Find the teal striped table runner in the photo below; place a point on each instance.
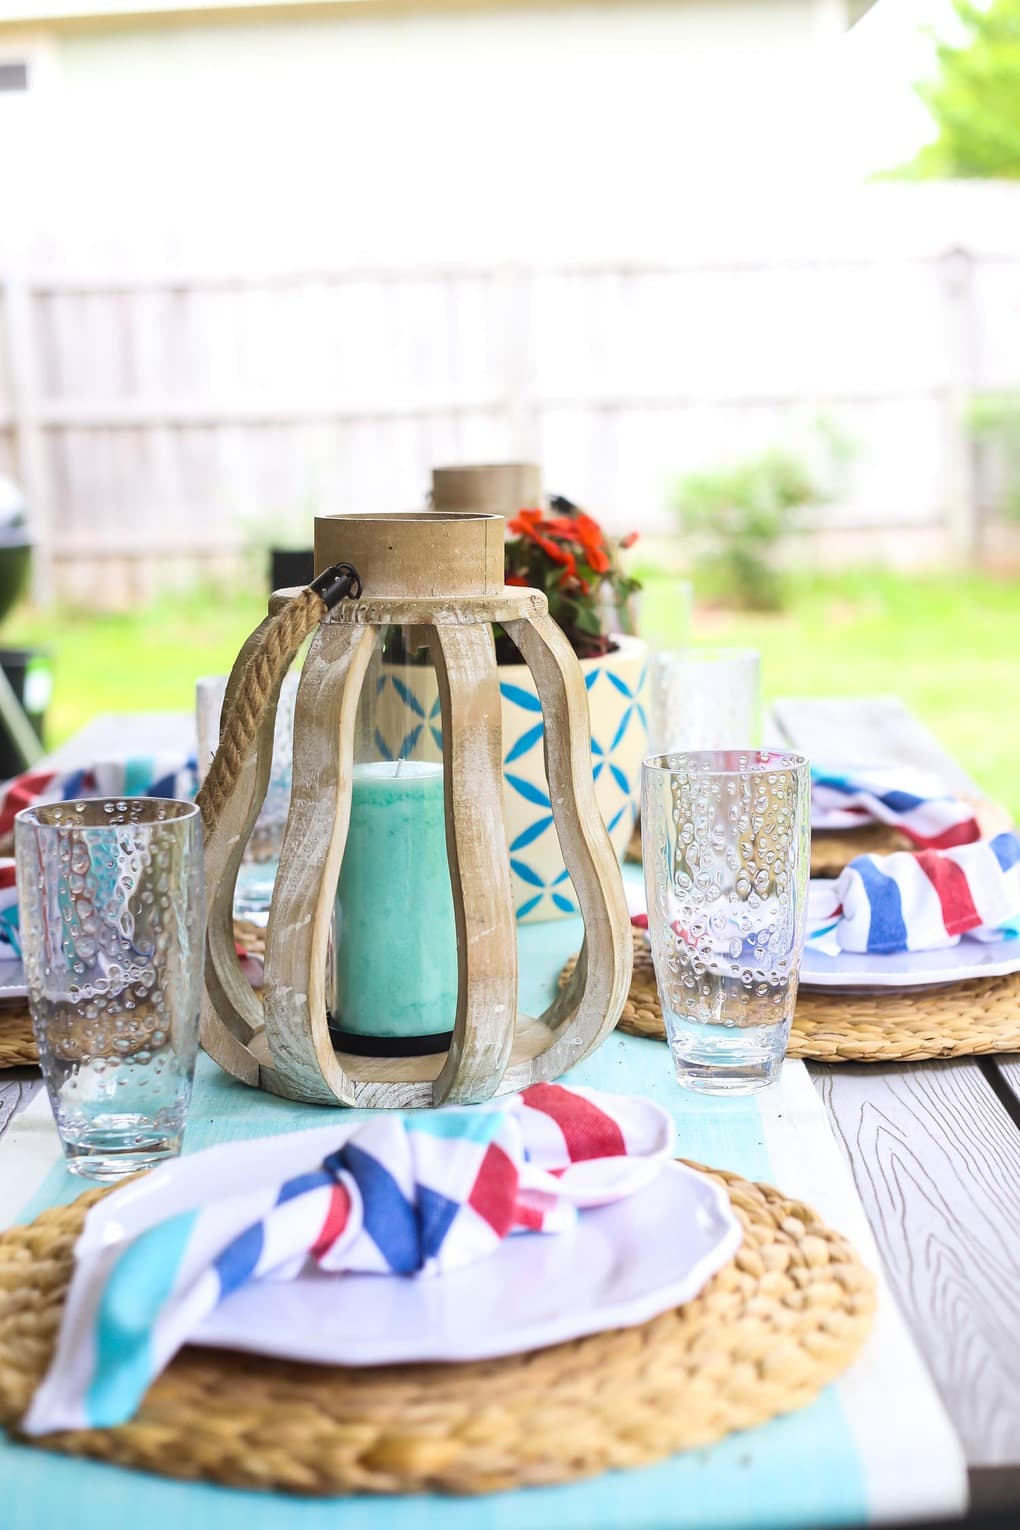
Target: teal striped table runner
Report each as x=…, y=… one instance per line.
x=872, y=1447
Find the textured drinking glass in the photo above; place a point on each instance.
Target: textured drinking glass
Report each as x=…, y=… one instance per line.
x=257, y=873
x=704, y=698
x=112, y=930
x=726, y=837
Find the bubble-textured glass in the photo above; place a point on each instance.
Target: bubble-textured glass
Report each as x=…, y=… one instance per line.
x=726, y=856
x=704, y=698
x=112, y=924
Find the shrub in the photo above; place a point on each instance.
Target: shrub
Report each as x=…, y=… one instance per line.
x=739, y=516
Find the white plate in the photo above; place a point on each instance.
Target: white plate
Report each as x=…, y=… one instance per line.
x=620, y=1266
x=12, y=982
x=910, y=969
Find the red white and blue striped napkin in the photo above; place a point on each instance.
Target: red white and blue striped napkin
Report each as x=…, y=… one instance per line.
x=906, y=799
x=141, y=776
x=881, y=904
x=399, y=1194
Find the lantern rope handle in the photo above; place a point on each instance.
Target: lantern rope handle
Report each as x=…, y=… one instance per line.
x=282, y=637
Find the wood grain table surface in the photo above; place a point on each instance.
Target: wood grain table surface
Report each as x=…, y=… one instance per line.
x=934, y=1148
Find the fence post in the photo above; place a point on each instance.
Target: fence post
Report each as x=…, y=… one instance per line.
x=956, y=269
x=29, y=440
x=519, y=354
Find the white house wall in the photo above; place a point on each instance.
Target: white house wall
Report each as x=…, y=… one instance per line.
x=430, y=132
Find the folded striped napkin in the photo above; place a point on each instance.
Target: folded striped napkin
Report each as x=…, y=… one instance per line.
x=399, y=1194
x=909, y=800
x=920, y=902
x=144, y=776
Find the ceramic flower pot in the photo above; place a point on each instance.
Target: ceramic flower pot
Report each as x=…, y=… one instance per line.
x=409, y=726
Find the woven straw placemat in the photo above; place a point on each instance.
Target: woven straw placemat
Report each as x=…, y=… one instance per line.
x=777, y=1324
x=250, y=938
x=17, y=1039
x=832, y=850
x=913, y=1025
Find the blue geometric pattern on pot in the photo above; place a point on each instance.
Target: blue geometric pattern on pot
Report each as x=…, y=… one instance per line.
x=404, y=720
x=520, y=697
x=407, y=696
x=634, y=704
x=531, y=738
x=531, y=878
x=410, y=724
x=407, y=745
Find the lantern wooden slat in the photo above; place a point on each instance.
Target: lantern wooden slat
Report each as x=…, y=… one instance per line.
x=283, y=1042
x=231, y=1012
x=297, y=937
x=465, y=661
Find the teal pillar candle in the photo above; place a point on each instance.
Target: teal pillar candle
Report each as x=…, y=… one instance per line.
x=396, y=935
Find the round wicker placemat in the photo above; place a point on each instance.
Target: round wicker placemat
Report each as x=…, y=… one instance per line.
x=912, y=1025
x=250, y=938
x=782, y=1320
x=17, y=1039
x=832, y=850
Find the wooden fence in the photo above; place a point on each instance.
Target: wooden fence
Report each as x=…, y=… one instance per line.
x=159, y=422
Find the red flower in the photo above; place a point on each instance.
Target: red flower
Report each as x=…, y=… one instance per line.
x=629, y=539
x=590, y=531
x=554, y=551
x=562, y=526
x=567, y=542
x=525, y=521
x=591, y=538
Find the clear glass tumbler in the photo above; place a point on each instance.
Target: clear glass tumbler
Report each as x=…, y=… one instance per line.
x=704, y=698
x=726, y=858
x=112, y=925
x=262, y=853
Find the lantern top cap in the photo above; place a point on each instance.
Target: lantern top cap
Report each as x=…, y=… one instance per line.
x=502, y=487
x=423, y=517
x=418, y=552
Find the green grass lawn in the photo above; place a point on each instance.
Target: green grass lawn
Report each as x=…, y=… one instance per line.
x=948, y=645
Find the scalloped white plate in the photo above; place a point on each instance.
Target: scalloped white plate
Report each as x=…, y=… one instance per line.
x=620, y=1266
x=911, y=969
x=12, y=982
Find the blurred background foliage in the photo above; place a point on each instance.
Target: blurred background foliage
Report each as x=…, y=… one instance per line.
x=947, y=644
x=974, y=97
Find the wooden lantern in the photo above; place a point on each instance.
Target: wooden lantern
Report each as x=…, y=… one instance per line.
x=499, y=488
x=438, y=577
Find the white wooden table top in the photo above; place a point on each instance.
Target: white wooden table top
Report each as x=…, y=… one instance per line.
x=934, y=1148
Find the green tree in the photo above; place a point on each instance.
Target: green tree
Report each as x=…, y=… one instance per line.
x=975, y=98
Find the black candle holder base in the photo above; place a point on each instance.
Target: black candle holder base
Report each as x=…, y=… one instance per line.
x=386, y=1046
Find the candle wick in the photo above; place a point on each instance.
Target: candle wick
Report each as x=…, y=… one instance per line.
x=400, y=763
